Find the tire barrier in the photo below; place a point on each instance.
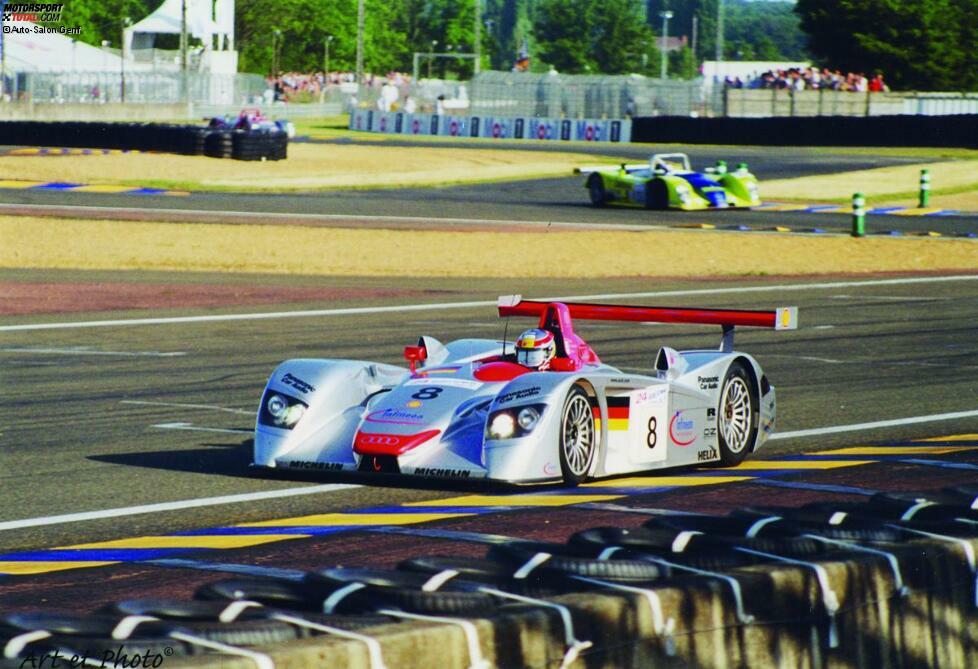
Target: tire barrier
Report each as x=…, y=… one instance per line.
x=929, y=131
x=254, y=144
x=889, y=582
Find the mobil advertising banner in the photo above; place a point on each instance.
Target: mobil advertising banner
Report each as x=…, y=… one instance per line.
x=493, y=127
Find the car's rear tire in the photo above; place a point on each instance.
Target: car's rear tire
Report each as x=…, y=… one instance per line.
x=577, y=441
x=595, y=189
x=656, y=194
x=736, y=416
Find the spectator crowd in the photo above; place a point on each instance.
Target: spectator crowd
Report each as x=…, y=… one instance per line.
x=303, y=87
x=811, y=78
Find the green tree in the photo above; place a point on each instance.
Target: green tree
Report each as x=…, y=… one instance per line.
x=751, y=29
x=917, y=44
x=304, y=24
x=608, y=36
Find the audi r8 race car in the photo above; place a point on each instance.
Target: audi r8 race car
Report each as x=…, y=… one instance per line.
x=668, y=182
x=492, y=409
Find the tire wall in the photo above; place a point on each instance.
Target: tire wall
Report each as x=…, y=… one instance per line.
x=875, y=626
x=929, y=131
x=166, y=138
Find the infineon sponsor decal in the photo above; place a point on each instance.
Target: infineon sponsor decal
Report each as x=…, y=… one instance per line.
x=395, y=416
x=682, y=430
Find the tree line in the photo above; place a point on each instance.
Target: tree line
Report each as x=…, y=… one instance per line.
x=919, y=44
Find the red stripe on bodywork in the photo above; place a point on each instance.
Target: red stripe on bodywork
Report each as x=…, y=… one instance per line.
x=372, y=443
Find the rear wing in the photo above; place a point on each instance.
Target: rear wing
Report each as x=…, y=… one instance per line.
x=604, y=168
x=782, y=318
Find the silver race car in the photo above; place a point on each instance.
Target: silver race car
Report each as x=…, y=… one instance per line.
x=470, y=409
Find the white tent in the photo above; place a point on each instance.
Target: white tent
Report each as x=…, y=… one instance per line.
x=28, y=51
x=201, y=23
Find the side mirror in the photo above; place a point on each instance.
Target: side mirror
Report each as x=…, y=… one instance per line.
x=414, y=355
x=670, y=363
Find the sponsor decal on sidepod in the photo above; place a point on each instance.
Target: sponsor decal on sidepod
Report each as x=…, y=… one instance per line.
x=682, y=431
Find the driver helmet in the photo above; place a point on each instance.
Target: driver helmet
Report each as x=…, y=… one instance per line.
x=535, y=348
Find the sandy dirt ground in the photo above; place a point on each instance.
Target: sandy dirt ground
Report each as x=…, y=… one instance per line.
x=879, y=185
x=308, y=167
x=82, y=244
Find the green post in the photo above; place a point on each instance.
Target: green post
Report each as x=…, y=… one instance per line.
x=924, y=198
x=858, y=215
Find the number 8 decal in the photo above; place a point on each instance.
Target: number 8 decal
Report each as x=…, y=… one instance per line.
x=652, y=439
x=429, y=393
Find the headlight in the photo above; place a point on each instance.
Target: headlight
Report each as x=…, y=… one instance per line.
x=277, y=406
x=683, y=193
x=281, y=411
x=527, y=418
x=502, y=425
x=515, y=422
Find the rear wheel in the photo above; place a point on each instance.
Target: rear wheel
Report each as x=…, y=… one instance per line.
x=595, y=188
x=578, y=441
x=736, y=416
x=656, y=194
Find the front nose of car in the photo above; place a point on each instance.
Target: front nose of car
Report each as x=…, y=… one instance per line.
x=269, y=444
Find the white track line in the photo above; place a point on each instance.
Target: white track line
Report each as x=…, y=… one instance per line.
x=174, y=506
x=190, y=427
x=180, y=405
x=332, y=487
x=87, y=351
x=856, y=427
x=262, y=218
x=479, y=303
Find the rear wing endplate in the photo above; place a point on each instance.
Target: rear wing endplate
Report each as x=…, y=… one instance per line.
x=782, y=318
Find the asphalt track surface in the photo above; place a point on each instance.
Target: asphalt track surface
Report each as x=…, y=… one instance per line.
x=552, y=200
x=108, y=417
x=111, y=417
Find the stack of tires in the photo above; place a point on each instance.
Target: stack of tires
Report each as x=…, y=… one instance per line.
x=259, y=144
x=267, y=141
x=693, y=552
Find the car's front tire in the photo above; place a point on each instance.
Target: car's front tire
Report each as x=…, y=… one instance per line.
x=656, y=194
x=578, y=440
x=736, y=416
x=595, y=189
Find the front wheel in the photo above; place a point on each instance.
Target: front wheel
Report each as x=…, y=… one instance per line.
x=656, y=194
x=595, y=189
x=736, y=416
x=578, y=441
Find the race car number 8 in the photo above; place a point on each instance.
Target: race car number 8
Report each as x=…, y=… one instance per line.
x=427, y=393
x=652, y=439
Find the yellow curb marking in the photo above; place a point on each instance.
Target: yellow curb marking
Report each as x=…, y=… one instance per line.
x=366, y=519
x=663, y=481
x=25, y=568
x=516, y=500
x=898, y=450
x=767, y=465
x=201, y=541
x=13, y=183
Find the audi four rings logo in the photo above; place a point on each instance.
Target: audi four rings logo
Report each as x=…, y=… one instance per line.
x=379, y=440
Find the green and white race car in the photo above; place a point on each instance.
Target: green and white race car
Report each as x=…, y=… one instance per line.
x=667, y=182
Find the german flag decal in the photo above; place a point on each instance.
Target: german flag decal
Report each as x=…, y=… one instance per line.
x=617, y=414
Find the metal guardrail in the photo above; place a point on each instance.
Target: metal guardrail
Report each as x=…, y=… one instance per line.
x=589, y=96
x=135, y=87
x=787, y=102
